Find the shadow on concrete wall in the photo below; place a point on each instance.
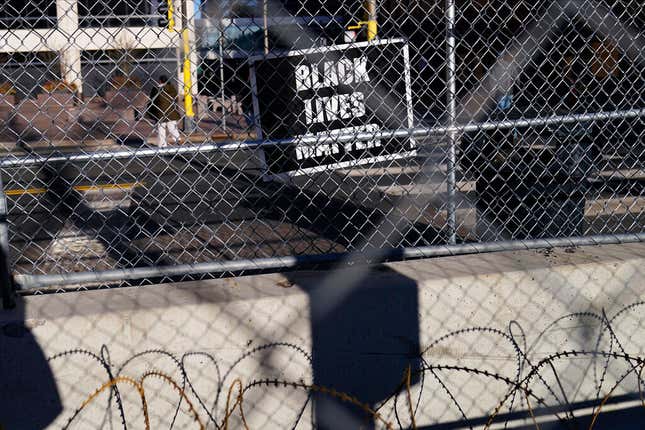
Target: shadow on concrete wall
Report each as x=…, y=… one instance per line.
x=365, y=334
x=29, y=397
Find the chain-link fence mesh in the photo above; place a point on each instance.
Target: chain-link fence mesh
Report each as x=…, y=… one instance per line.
x=156, y=141
x=152, y=140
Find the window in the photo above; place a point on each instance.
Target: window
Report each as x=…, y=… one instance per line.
x=116, y=13
x=20, y=14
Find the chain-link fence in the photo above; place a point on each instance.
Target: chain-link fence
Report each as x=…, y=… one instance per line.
x=153, y=141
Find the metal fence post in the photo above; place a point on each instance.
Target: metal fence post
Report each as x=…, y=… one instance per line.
x=220, y=43
x=265, y=25
x=6, y=280
x=451, y=80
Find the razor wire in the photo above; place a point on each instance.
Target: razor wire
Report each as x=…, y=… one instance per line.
x=171, y=140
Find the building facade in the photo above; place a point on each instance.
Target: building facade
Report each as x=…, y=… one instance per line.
x=74, y=31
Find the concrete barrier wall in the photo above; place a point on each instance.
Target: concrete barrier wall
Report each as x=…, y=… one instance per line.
x=354, y=331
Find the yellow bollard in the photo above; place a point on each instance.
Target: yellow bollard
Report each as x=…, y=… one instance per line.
x=171, y=16
x=372, y=28
x=372, y=25
x=188, y=94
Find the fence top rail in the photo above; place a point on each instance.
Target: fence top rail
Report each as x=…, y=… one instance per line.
x=30, y=284
x=235, y=145
x=331, y=48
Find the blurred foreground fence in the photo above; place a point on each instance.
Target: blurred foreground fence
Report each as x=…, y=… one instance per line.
x=312, y=132
x=153, y=141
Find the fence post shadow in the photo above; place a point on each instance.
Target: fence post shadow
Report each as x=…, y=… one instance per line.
x=364, y=336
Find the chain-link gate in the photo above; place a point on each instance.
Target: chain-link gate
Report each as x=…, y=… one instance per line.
x=149, y=141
